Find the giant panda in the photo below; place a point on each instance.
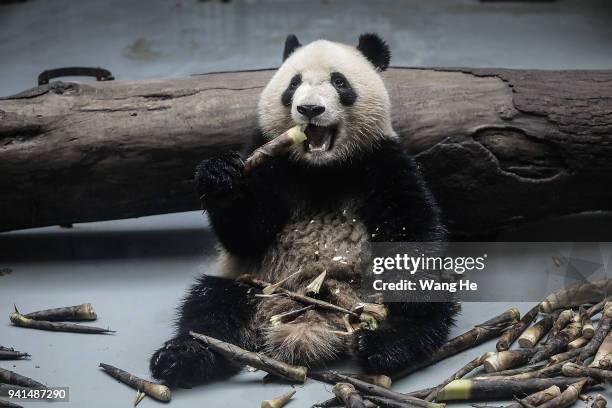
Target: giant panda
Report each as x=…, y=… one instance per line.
x=318, y=207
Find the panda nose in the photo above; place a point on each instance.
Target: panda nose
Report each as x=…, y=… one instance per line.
x=310, y=111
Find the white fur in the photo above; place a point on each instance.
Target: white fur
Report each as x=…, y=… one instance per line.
x=360, y=126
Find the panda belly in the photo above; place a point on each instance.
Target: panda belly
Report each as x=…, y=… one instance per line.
x=335, y=241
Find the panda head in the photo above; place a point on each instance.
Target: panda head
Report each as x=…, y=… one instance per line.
x=334, y=89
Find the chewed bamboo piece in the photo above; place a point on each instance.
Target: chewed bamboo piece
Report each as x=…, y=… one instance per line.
x=576, y=295
x=498, y=388
x=274, y=147
x=158, y=391
x=513, y=333
x=558, y=343
x=479, y=334
x=10, y=377
x=62, y=314
x=253, y=359
x=279, y=401
x=380, y=380
x=533, y=334
x=564, y=318
x=20, y=320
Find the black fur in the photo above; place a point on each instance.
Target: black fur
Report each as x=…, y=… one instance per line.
x=246, y=212
x=218, y=307
x=291, y=44
x=375, y=50
x=287, y=95
x=346, y=93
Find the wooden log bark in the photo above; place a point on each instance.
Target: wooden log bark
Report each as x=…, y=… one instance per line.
x=497, y=146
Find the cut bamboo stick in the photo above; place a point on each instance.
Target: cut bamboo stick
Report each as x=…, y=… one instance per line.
x=558, y=343
x=504, y=360
x=314, y=287
x=12, y=354
x=513, y=333
x=70, y=313
x=567, y=355
x=380, y=380
x=20, y=320
x=386, y=402
x=533, y=334
x=577, y=343
x=496, y=388
x=604, y=352
x=10, y=377
x=257, y=360
x=158, y=391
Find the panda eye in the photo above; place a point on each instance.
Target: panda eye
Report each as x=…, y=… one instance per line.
x=295, y=82
x=339, y=82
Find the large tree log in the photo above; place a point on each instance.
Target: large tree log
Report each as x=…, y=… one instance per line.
x=497, y=146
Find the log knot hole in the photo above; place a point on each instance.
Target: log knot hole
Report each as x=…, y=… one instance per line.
x=520, y=154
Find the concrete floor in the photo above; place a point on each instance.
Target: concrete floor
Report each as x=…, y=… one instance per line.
x=135, y=271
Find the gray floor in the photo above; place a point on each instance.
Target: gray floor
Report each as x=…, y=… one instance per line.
x=135, y=271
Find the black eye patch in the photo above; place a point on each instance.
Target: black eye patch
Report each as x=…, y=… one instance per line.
x=347, y=94
x=287, y=96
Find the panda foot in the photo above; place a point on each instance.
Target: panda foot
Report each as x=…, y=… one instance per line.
x=183, y=362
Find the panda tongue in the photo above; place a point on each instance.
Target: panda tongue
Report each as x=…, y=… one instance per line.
x=318, y=137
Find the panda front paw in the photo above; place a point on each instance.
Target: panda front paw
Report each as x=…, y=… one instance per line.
x=183, y=362
x=220, y=180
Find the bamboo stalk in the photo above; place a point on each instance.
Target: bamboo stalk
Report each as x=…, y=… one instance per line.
x=274, y=147
x=576, y=370
x=257, y=360
x=603, y=328
x=576, y=295
x=567, y=397
x=20, y=320
x=512, y=371
x=498, y=388
x=537, y=398
x=332, y=377
x=70, y=313
x=380, y=380
x=603, y=352
x=279, y=401
x=158, y=391
x=596, y=308
x=329, y=403
x=533, y=334
x=348, y=394
x=588, y=331
x=462, y=372
x=513, y=333
x=599, y=402
x=479, y=334
x=551, y=370
x=10, y=377
x=564, y=318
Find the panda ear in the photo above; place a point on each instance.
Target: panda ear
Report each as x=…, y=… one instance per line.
x=291, y=44
x=375, y=49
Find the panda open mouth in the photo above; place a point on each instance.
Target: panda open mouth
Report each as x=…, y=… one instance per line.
x=319, y=138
